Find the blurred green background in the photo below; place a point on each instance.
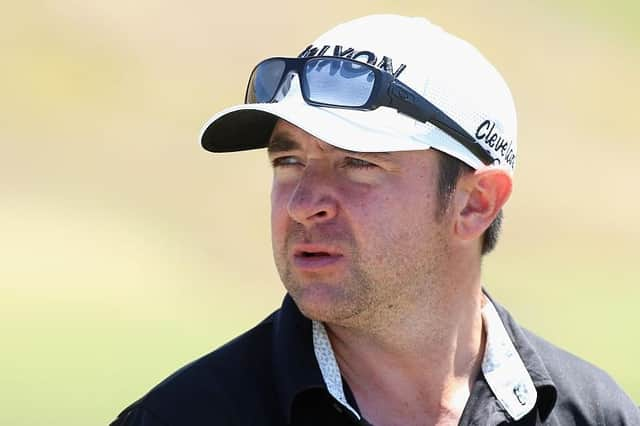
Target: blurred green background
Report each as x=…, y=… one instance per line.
x=127, y=251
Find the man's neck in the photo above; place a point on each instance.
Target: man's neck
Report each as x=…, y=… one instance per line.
x=418, y=369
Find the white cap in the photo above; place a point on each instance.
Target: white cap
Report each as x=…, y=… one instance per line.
x=448, y=71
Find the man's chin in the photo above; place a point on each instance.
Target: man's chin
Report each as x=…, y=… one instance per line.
x=322, y=302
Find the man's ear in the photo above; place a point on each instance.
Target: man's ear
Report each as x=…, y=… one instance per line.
x=479, y=198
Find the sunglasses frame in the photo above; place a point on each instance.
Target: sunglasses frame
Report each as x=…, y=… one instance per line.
x=387, y=91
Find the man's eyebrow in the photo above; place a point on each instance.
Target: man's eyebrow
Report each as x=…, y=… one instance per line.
x=282, y=144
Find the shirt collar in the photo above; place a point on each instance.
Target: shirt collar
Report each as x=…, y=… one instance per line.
x=299, y=361
x=503, y=368
x=546, y=388
x=329, y=366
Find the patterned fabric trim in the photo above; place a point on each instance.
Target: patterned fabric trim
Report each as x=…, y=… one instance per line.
x=503, y=368
x=329, y=366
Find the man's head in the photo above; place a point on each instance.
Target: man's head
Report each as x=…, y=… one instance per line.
x=355, y=234
x=438, y=120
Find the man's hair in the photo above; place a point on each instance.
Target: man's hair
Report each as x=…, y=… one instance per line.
x=450, y=170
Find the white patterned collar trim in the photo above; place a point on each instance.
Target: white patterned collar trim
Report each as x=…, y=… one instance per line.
x=502, y=367
x=329, y=366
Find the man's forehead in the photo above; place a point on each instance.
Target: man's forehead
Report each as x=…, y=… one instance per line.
x=288, y=137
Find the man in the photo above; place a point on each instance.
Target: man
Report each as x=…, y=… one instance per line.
x=393, y=146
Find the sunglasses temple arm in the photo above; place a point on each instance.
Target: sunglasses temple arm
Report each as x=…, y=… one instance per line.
x=408, y=102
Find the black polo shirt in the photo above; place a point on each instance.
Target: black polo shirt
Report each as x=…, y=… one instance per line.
x=270, y=376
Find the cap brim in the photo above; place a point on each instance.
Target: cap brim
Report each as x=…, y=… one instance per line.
x=238, y=129
x=249, y=126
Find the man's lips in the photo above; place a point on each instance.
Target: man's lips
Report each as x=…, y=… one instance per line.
x=311, y=250
x=316, y=257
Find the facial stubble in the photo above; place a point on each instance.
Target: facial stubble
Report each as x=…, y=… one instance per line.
x=374, y=287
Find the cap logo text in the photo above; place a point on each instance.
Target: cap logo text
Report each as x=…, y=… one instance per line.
x=487, y=132
x=385, y=64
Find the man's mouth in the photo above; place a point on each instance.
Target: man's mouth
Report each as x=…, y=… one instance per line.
x=308, y=257
x=314, y=254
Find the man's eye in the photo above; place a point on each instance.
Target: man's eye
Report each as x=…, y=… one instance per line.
x=285, y=161
x=358, y=163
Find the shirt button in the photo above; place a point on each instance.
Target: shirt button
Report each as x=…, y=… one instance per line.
x=520, y=391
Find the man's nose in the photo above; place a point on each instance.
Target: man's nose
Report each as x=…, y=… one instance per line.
x=314, y=199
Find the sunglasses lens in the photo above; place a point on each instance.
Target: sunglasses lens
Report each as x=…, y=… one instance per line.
x=264, y=81
x=338, y=82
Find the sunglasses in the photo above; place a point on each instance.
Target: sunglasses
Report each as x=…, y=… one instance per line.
x=339, y=82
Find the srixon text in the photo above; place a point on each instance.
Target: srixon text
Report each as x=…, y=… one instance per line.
x=367, y=56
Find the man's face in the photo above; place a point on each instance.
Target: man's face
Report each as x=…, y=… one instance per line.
x=353, y=234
